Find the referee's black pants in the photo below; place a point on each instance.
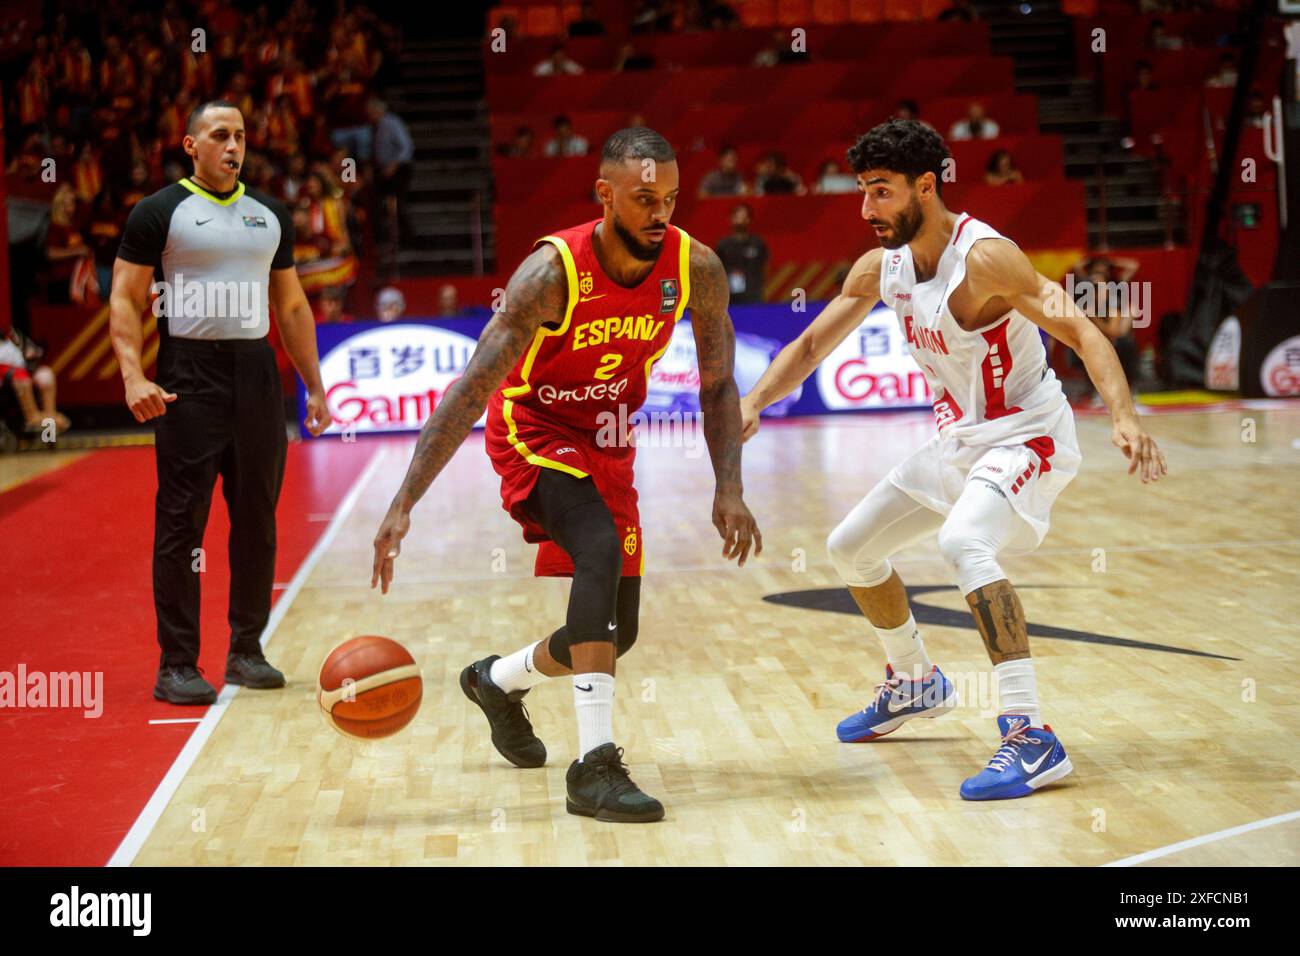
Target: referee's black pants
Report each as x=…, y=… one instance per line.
x=227, y=420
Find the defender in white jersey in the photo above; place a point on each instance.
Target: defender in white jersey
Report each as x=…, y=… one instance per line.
x=999, y=408
x=970, y=304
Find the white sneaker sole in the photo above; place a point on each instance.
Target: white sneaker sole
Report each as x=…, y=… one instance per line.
x=950, y=703
x=1051, y=776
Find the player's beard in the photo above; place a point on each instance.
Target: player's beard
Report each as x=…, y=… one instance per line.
x=635, y=248
x=904, y=229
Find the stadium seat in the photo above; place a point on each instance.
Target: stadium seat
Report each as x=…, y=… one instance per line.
x=902, y=11
x=794, y=13
x=867, y=11
x=758, y=13
x=542, y=21
x=830, y=12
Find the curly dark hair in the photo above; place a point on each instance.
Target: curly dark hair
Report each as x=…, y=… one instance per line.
x=902, y=146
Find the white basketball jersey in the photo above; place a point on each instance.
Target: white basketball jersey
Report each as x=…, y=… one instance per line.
x=991, y=386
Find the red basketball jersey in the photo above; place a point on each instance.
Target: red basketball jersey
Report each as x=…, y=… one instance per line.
x=600, y=355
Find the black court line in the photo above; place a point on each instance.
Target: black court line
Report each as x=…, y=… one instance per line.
x=838, y=600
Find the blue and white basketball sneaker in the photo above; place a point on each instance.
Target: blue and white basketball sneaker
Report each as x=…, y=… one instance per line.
x=897, y=700
x=1029, y=758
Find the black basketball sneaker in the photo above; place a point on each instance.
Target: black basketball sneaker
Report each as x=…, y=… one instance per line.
x=512, y=732
x=599, y=786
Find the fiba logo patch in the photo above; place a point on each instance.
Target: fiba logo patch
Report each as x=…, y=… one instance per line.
x=669, y=294
x=586, y=283
x=629, y=541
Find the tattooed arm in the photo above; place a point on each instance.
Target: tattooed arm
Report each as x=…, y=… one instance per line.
x=536, y=293
x=715, y=347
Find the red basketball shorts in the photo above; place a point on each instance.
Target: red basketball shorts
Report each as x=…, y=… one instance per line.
x=519, y=449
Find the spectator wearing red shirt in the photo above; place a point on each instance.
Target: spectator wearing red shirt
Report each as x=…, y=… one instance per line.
x=33, y=96
x=1002, y=169
x=282, y=129
x=65, y=248
x=76, y=70
x=329, y=306
x=117, y=74
x=291, y=182
x=239, y=93
x=520, y=146
x=348, y=98
x=296, y=83
x=139, y=187
x=327, y=219
x=88, y=174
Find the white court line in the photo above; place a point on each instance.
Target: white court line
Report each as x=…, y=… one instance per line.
x=179, y=720
x=153, y=810
x=1202, y=840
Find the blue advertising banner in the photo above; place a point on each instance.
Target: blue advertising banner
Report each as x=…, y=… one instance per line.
x=387, y=377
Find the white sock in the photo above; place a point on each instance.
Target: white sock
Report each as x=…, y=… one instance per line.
x=593, y=698
x=905, y=650
x=516, y=671
x=1018, y=689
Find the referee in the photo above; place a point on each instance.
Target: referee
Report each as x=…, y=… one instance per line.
x=218, y=254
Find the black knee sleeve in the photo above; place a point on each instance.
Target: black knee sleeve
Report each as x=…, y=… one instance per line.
x=576, y=517
x=629, y=613
x=597, y=557
x=629, y=605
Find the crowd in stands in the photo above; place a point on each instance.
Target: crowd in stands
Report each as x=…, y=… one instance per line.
x=100, y=107
x=524, y=18
x=770, y=174
x=676, y=16
x=746, y=166
x=648, y=16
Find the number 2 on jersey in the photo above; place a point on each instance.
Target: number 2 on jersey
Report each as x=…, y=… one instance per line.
x=608, y=363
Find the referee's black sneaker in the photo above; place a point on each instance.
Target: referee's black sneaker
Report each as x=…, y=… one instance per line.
x=252, y=670
x=183, y=684
x=512, y=732
x=599, y=786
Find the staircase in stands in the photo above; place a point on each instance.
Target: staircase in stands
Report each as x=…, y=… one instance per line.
x=1040, y=40
x=441, y=96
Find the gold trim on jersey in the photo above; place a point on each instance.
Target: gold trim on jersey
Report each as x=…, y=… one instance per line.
x=683, y=277
x=571, y=274
x=200, y=191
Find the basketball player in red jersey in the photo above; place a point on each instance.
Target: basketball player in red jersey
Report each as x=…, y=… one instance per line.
x=586, y=316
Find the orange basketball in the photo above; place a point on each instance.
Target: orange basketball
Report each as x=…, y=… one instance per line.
x=369, y=687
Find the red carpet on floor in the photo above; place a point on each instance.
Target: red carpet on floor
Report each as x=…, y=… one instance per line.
x=76, y=594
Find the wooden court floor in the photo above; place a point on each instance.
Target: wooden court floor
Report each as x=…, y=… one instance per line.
x=1169, y=668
